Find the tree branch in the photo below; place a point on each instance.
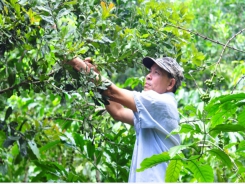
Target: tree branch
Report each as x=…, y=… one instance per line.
x=238, y=83
x=20, y=84
x=226, y=45
x=24, y=82
x=204, y=37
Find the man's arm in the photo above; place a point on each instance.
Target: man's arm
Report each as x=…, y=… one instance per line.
x=118, y=97
x=119, y=113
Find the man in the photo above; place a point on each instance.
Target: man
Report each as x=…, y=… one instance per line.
x=153, y=113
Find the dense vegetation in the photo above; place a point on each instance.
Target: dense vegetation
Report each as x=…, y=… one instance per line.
x=53, y=124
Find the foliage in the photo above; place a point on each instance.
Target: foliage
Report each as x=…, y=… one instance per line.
x=53, y=125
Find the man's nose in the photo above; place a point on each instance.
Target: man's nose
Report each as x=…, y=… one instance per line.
x=148, y=76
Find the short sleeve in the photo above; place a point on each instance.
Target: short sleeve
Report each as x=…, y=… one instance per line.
x=157, y=111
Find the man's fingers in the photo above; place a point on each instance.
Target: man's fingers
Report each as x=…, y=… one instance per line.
x=88, y=59
x=91, y=66
x=74, y=61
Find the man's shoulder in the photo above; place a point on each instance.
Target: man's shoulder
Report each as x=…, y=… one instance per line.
x=154, y=94
x=154, y=97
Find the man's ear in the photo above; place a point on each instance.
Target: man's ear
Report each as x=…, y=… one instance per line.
x=171, y=85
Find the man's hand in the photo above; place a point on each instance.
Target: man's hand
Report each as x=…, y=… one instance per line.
x=89, y=63
x=86, y=64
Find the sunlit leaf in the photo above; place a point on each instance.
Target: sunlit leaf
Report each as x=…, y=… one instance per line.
x=221, y=156
x=106, y=9
x=229, y=128
x=48, y=146
x=203, y=173
x=48, y=19
x=241, y=117
x=241, y=146
x=153, y=160
x=63, y=12
x=223, y=107
x=176, y=149
x=173, y=171
x=79, y=141
x=34, y=148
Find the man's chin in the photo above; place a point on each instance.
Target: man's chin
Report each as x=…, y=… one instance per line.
x=146, y=89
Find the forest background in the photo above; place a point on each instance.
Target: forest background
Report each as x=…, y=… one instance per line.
x=53, y=124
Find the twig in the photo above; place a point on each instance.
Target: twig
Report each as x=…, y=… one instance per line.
x=97, y=175
x=20, y=84
x=238, y=83
x=204, y=37
x=26, y=171
x=222, y=53
x=22, y=56
x=24, y=82
x=195, y=82
x=69, y=119
x=195, y=120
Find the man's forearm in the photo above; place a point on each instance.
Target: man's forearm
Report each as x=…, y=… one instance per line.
x=119, y=113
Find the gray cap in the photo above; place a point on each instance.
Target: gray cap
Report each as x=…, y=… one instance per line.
x=168, y=64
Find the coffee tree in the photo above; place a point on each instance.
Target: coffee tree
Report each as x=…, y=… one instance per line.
x=53, y=125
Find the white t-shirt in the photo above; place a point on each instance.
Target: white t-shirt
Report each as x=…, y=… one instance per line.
x=157, y=115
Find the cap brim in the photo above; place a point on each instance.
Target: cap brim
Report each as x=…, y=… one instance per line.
x=148, y=62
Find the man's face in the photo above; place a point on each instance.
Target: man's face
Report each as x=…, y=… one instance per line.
x=157, y=80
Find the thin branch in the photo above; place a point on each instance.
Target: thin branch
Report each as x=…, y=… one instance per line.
x=22, y=56
x=226, y=45
x=207, y=141
x=24, y=82
x=195, y=82
x=204, y=37
x=26, y=171
x=238, y=83
x=195, y=120
x=20, y=84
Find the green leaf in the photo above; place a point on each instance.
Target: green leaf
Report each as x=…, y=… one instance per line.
x=34, y=148
x=203, y=173
x=225, y=98
x=241, y=146
x=223, y=107
x=90, y=149
x=153, y=160
x=79, y=141
x=48, y=19
x=11, y=79
x=8, y=113
x=186, y=128
x=175, y=150
x=83, y=50
x=221, y=156
x=232, y=97
x=229, y=128
x=230, y=145
x=49, y=146
x=191, y=108
x=197, y=126
x=62, y=13
x=52, y=168
x=46, y=9
x=173, y=171
x=241, y=170
x=241, y=117
x=70, y=2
